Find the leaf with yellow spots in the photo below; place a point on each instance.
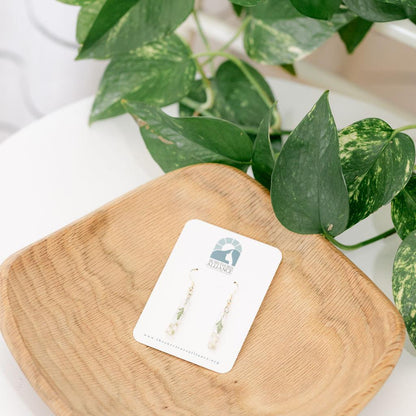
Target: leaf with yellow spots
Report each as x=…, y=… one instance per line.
x=160, y=73
x=403, y=209
x=382, y=10
x=376, y=165
x=108, y=28
x=404, y=283
x=308, y=191
x=178, y=142
x=279, y=34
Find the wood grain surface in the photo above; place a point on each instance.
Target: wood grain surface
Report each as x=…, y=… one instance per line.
x=324, y=341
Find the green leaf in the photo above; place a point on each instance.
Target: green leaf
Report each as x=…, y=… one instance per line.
x=404, y=283
x=408, y=6
x=354, y=32
x=376, y=10
x=116, y=27
x=376, y=167
x=160, y=73
x=248, y=3
x=263, y=154
x=86, y=18
x=238, y=10
x=290, y=68
x=220, y=326
x=308, y=191
x=110, y=13
x=318, y=9
x=403, y=209
x=179, y=313
x=177, y=142
x=236, y=99
x=278, y=34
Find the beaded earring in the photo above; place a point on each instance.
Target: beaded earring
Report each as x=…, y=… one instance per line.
x=180, y=311
x=219, y=325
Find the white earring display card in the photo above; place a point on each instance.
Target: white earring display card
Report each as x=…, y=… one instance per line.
x=207, y=296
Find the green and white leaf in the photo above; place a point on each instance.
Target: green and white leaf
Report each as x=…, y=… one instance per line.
x=236, y=99
x=376, y=10
x=308, y=191
x=404, y=283
x=220, y=326
x=318, y=9
x=86, y=17
x=178, y=142
x=263, y=154
x=403, y=209
x=376, y=167
x=278, y=34
x=108, y=16
x=160, y=73
x=106, y=31
x=408, y=6
x=354, y=32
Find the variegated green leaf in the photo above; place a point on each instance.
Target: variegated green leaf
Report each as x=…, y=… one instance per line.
x=278, y=34
x=308, y=191
x=108, y=16
x=404, y=283
x=236, y=99
x=115, y=27
x=403, y=209
x=86, y=18
x=159, y=73
x=375, y=165
x=177, y=142
x=263, y=154
x=376, y=10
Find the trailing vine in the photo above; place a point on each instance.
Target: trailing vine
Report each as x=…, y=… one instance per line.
x=322, y=180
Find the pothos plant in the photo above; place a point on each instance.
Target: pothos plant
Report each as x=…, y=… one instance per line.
x=322, y=180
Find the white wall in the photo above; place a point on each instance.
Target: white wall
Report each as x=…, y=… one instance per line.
x=38, y=73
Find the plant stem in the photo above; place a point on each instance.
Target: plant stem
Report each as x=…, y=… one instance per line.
x=202, y=35
x=196, y=106
x=408, y=127
x=243, y=69
x=209, y=102
x=363, y=243
x=250, y=78
x=231, y=41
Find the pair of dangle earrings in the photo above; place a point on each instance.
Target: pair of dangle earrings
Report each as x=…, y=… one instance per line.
x=180, y=311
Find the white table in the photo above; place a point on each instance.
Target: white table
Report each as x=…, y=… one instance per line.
x=59, y=169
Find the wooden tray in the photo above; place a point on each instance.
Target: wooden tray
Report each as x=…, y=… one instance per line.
x=324, y=340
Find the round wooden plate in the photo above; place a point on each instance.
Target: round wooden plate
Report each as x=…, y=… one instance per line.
x=324, y=341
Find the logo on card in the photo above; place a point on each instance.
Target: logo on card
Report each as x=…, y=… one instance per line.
x=225, y=255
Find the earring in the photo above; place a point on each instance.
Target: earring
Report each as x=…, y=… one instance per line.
x=180, y=311
x=215, y=335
